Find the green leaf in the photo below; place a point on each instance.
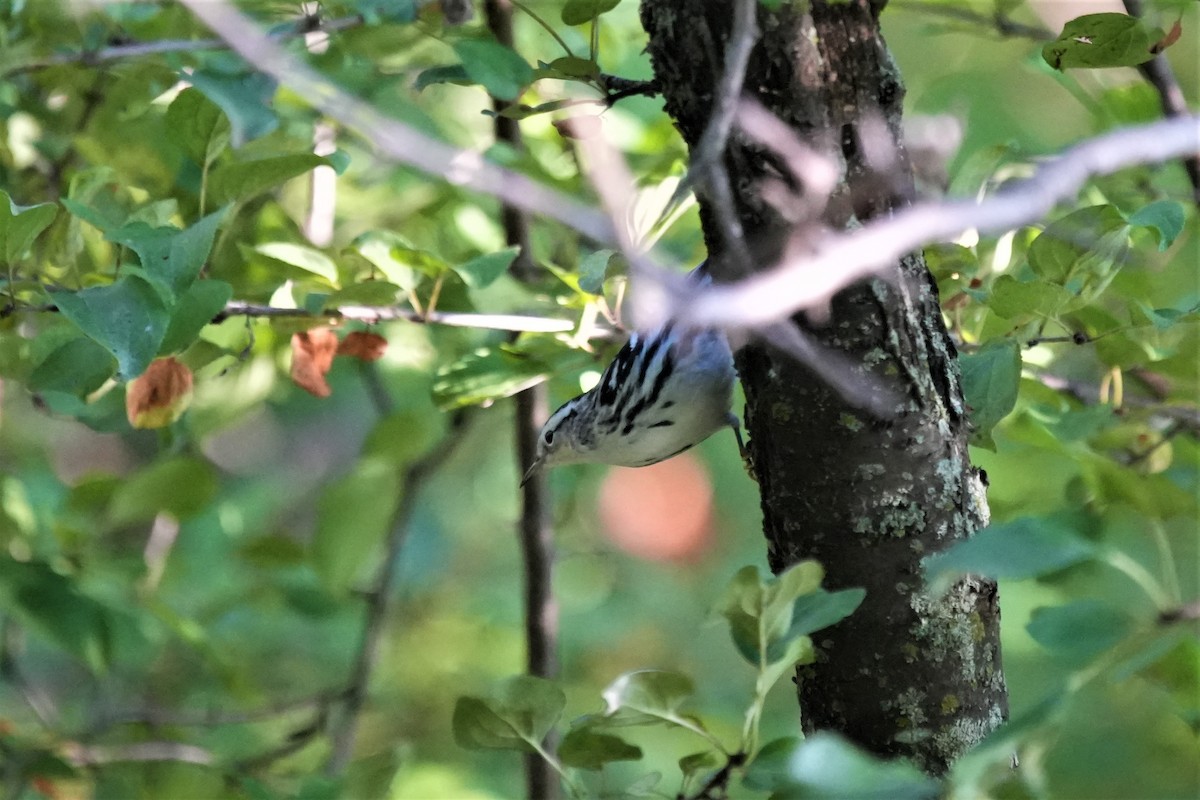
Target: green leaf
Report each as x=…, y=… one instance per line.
x=1166, y=217
x=180, y=486
x=517, y=715
x=20, y=225
x=487, y=374
x=585, y=749
x=245, y=98
x=366, y=293
x=240, y=180
x=763, y=612
x=827, y=767
x=196, y=308
x=198, y=125
x=647, y=696
x=51, y=603
x=577, y=12
x=168, y=255
x=769, y=770
x=1079, y=631
x=128, y=318
x=593, y=269
x=354, y=514
x=990, y=379
x=376, y=11
x=696, y=763
x=1100, y=40
x=573, y=67
x=79, y=367
x=1014, y=299
x=306, y=258
x=450, y=73
x=495, y=67
x=818, y=610
x=1082, y=251
x=1023, y=548
x=481, y=272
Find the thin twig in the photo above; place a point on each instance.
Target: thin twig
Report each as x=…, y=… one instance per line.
x=535, y=536
x=999, y=22
x=374, y=314
x=708, y=161
x=1157, y=71
x=117, y=52
x=344, y=731
x=91, y=755
x=212, y=717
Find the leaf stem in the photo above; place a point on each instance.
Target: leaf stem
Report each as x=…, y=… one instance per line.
x=1139, y=575
x=545, y=26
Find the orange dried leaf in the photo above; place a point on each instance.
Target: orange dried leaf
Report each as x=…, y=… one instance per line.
x=160, y=395
x=363, y=345
x=1171, y=38
x=312, y=356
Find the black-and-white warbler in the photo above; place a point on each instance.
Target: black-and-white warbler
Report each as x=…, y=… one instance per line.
x=667, y=389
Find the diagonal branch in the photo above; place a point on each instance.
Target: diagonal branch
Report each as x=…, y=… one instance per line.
x=1157, y=71
x=811, y=280
x=401, y=143
x=344, y=731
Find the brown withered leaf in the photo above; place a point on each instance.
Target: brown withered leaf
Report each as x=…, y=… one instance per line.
x=363, y=345
x=1171, y=37
x=160, y=395
x=312, y=356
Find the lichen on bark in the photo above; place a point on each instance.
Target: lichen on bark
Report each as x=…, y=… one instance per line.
x=868, y=496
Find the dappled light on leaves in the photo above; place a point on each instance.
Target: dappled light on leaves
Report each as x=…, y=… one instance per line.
x=662, y=512
x=312, y=356
x=160, y=395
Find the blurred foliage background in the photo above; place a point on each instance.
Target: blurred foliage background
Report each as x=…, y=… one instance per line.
x=205, y=584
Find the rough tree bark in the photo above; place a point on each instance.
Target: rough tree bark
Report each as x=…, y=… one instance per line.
x=908, y=674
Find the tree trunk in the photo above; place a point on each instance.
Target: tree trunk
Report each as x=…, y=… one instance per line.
x=868, y=497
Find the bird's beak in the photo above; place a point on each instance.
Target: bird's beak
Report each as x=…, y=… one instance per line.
x=533, y=468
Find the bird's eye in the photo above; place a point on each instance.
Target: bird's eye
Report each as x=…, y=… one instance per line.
x=548, y=437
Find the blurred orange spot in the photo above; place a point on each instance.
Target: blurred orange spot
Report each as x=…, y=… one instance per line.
x=659, y=513
x=312, y=356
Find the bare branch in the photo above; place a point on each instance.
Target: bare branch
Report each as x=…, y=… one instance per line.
x=708, y=163
x=535, y=534
x=374, y=314
x=90, y=755
x=213, y=717
x=398, y=141
x=344, y=731
x=812, y=280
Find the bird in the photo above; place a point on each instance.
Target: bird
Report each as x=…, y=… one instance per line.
x=666, y=390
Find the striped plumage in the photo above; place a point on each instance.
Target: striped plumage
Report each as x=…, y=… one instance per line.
x=666, y=390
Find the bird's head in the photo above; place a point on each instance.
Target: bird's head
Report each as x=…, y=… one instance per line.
x=559, y=442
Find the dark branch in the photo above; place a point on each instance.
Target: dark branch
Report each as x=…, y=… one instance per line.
x=345, y=729
x=1157, y=71
x=535, y=535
